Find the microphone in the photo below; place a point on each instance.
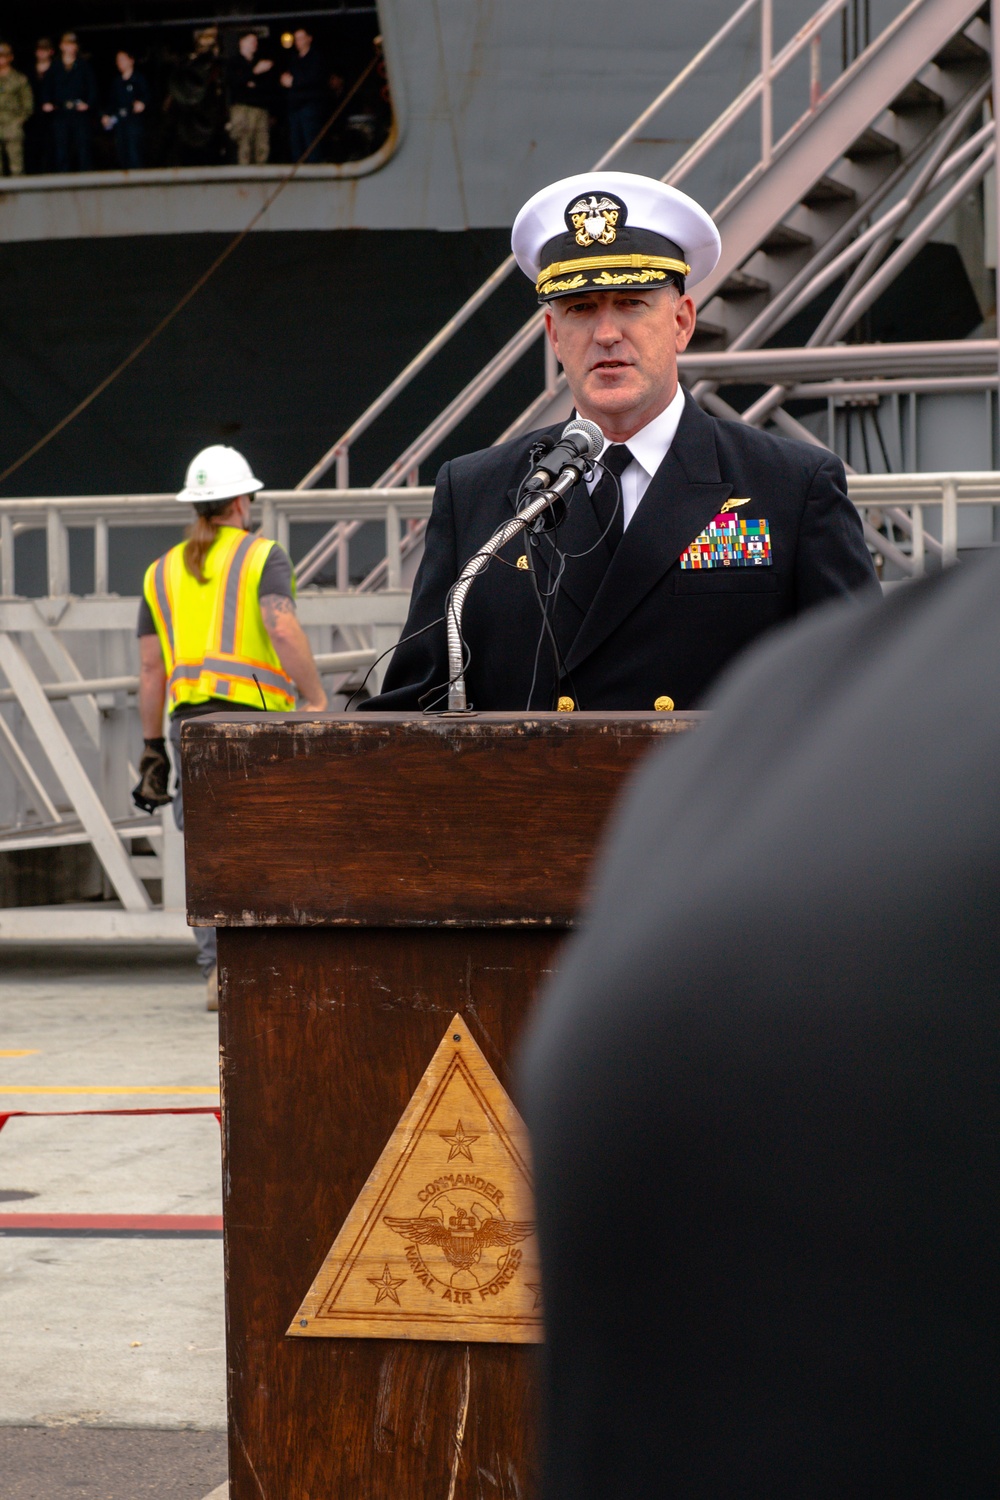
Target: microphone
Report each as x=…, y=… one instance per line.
x=580, y=443
x=539, y=511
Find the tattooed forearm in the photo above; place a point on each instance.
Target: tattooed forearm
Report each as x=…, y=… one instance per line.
x=292, y=645
x=274, y=607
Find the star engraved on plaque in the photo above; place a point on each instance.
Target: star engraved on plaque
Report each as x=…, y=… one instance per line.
x=440, y=1243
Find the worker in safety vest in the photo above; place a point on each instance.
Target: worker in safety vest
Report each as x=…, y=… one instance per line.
x=217, y=632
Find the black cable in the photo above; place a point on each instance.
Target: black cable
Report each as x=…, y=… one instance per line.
x=549, y=595
x=881, y=440
x=532, y=544
x=561, y=671
x=402, y=642
x=864, y=441
x=619, y=501
x=192, y=291
x=554, y=592
x=538, y=643
x=547, y=629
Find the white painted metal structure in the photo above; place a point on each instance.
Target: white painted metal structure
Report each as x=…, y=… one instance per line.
x=72, y=771
x=69, y=773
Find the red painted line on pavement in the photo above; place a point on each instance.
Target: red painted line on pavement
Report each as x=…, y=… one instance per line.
x=55, y=1114
x=180, y=1223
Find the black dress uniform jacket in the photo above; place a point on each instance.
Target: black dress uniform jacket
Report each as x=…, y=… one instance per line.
x=763, y=1090
x=632, y=626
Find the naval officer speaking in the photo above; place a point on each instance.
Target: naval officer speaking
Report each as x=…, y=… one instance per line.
x=687, y=539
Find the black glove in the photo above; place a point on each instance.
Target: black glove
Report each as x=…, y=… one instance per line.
x=152, y=789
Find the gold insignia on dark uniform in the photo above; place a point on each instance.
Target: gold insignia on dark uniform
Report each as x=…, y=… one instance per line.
x=732, y=505
x=664, y=705
x=522, y=563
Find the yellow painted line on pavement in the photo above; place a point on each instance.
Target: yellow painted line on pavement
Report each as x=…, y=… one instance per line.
x=12, y=1052
x=108, y=1088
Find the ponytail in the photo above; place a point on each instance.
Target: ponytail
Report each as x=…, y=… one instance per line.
x=197, y=545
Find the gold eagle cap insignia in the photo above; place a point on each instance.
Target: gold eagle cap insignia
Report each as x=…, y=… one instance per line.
x=595, y=220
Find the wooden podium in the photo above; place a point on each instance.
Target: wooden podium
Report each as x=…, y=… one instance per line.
x=376, y=877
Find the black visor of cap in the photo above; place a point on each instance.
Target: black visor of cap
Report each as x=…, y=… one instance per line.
x=568, y=263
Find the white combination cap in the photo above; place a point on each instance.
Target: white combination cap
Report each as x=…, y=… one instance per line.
x=218, y=473
x=600, y=231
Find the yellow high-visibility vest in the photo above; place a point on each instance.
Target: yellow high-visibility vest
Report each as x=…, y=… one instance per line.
x=212, y=634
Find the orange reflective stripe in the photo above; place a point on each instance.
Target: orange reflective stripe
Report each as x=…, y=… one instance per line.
x=244, y=670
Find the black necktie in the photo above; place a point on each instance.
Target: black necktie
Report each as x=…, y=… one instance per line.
x=607, y=498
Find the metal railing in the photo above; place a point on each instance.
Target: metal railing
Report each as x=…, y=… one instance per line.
x=912, y=520
x=278, y=511
x=760, y=90
x=339, y=453
x=911, y=502
x=69, y=771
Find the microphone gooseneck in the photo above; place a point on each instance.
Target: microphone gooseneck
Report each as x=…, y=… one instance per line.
x=557, y=473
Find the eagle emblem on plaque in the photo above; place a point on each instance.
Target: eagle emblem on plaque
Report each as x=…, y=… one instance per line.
x=441, y=1241
x=594, y=220
x=460, y=1238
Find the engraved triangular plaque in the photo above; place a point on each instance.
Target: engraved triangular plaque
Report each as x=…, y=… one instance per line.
x=440, y=1243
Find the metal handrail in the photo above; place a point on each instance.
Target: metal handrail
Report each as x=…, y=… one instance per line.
x=328, y=663
x=138, y=509
x=407, y=464
x=278, y=510
x=771, y=69
x=972, y=358
x=847, y=246
x=865, y=490
x=340, y=450
x=926, y=358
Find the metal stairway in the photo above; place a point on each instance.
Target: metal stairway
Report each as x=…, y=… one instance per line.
x=891, y=129
x=867, y=132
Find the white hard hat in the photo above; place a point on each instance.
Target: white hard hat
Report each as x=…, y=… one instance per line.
x=218, y=473
x=600, y=230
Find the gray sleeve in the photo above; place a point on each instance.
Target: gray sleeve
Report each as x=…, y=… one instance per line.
x=146, y=625
x=276, y=577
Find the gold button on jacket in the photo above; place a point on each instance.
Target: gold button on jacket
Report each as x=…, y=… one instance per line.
x=565, y=705
x=664, y=705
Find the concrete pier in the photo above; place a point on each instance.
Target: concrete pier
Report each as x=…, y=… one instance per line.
x=113, y=1368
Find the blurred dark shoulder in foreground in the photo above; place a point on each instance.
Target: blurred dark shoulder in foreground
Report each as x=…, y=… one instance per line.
x=762, y=1090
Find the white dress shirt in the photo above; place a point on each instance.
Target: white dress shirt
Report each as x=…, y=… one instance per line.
x=649, y=447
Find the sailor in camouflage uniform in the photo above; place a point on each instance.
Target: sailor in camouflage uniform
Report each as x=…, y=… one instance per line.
x=16, y=107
